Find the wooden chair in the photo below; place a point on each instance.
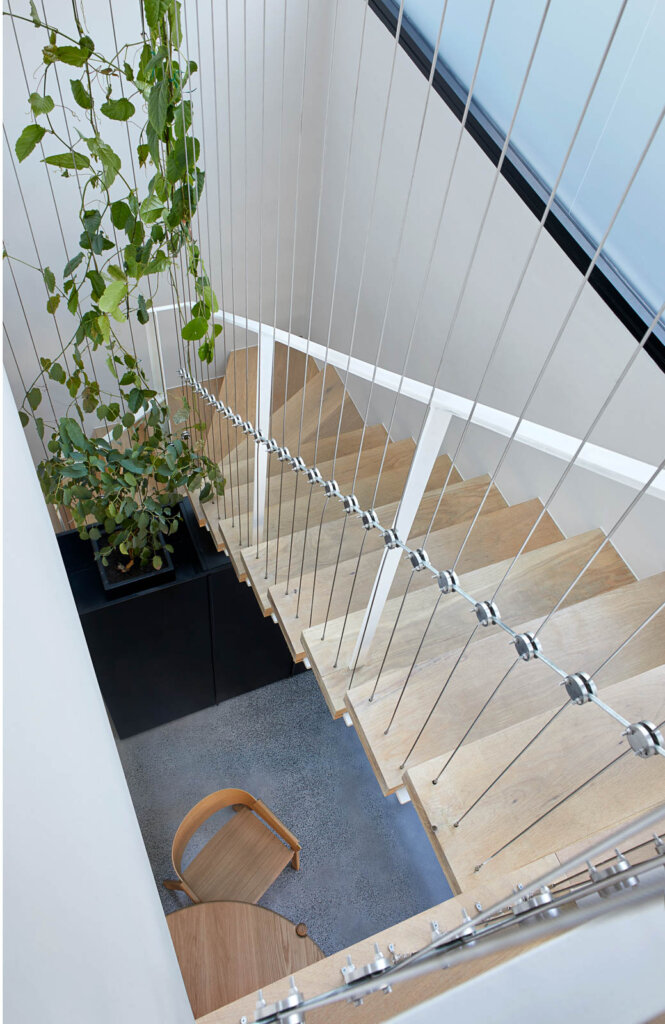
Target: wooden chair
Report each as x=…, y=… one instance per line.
x=242, y=859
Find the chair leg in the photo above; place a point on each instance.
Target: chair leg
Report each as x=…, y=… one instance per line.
x=295, y=860
x=173, y=884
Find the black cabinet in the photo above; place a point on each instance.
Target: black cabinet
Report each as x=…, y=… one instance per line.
x=179, y=647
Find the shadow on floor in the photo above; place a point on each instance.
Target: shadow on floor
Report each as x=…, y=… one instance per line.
x=366, y=862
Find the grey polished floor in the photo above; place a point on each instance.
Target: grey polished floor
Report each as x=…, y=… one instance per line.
x=366, y=861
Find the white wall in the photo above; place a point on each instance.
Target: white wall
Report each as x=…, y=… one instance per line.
x=84, y=932
x=593, y=349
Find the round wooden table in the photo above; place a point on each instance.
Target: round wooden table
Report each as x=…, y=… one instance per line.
x=227, y=950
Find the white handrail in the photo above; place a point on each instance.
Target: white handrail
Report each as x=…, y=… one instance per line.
x=605, y=462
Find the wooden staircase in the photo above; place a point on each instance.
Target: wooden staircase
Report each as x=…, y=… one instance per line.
x=427, y=674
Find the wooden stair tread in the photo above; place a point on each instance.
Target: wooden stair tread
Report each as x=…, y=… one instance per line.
x=461, y=501
x=240, y=861
x=398, y=454
x=294, y=514
x=497, y=534
x=578, y=638
x=348, y=585
x=349, y=442
x=581, y=741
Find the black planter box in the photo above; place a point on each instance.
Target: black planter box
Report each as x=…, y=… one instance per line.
x=178, y=646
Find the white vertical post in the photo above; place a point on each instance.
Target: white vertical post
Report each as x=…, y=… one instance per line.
x=427, y=451
x=266, y=359
x=155, y=354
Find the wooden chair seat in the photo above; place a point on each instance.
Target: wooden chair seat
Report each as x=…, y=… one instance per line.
x=239, y=863
x=242, y=859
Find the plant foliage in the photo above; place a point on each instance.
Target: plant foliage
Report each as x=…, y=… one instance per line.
x=129, y=480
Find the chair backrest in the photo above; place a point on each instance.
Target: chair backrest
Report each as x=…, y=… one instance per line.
x=201, y=811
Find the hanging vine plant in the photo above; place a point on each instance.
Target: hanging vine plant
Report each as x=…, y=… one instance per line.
x=122, y=488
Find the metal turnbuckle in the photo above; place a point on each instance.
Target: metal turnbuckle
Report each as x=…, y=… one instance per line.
x=350, y=503
x=219, y=405
x=331, y=490
x=236, y=420
x=580, y=687
x=259, y=437
x=288, y=1008
x=486, y=612
x=418, y=559
x=271, y=445
x=283, y=454
x=447, y=580
x=527, y=646
x=373, y=969
x=618, y=870
x=390, y=539
x=369, y=519
x=542, y=898
x=247, y=427
x=644, y=738
x=314, y=476
x=298, y=464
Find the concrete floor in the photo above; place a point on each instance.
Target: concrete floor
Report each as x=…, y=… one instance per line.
x=366, y=862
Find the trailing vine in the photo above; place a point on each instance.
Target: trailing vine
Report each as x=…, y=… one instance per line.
x=130, y=479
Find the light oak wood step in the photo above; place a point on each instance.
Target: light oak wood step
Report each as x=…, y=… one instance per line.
x=349, y=442
x=283, y=484
x=336, y=589
x=289, y=516
x=497, y=535
x=581, y=741
x=461, y=501
x=577, y=639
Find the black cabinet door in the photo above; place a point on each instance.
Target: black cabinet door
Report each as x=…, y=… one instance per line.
x=153, y=655
x=248, y=649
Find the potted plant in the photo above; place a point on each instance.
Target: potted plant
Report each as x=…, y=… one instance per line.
x=122, y=483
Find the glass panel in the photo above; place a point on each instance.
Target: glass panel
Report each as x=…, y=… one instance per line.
x=626, y=104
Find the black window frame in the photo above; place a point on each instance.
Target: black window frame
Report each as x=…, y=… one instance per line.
x=605, y=278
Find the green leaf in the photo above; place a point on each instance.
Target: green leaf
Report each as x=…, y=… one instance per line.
x=39, y=423
x=24, y=418
x=195, y=329
x=143, y=152
x=118, y=110
x=28, y=139
x=49, y=278
x=73, y=300
x=142, y=315
x=156, y=562
x=158, y=101
x=53, y=303
x=119, y=214
x=183, y=158
x=80, y=94
x=135, y=400
x=33, y=14
x=68, y=161
x=155, y=11
x=110, y=160
x=113, y=295
x=40, y=104
x=73, y=264
x=34, y=397
x=118, y=430
x=132, y=465
x=128, y=420
x=151, y=208
x=104, y=328
x=183, y=118
x=74, y=55
x=57, y=373
x=71, y=430
x=129, y=72
x=97, y=283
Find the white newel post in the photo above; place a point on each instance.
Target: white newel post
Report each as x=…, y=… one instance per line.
x=427, y=451
x=264, y=376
